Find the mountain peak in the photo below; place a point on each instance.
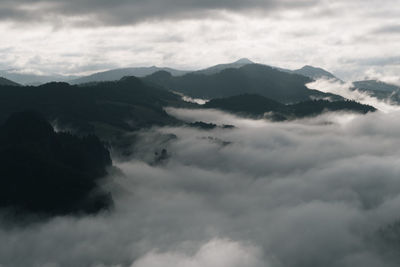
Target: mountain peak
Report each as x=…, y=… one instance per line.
x=244, y=61
x=314, y=72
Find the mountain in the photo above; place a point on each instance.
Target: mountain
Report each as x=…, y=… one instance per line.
x=259, y=106
x=106, y=108
x=33, y=79
x=113, y=75
x=246, y=104
x=217, y=68
x=375, y=85
x=117, y=74
x=380, y=90
x=314, y=73
x=49, y=173
x=4, y=81
x=249, y=79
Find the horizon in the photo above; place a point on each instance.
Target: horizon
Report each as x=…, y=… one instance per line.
x=75, y=38
x=69, y=78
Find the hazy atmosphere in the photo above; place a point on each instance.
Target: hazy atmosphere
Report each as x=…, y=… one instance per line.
x=353, y=39
x=199, y=133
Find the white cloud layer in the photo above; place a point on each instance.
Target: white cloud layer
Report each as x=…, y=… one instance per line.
x=348, y=91
x=304, y=193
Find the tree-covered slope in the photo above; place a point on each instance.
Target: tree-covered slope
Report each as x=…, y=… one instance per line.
x=258, y=106
x=49, y=173
x=127, y=104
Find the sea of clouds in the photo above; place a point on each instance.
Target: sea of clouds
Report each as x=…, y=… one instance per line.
x=312, y=192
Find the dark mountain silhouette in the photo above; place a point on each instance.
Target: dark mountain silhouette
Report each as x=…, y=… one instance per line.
x=258, y=106
x=314, y=73
x=117, y=74
x=4, y=81
x=247, y=103
x=251, y=79
x=49, y=173
x=107, y=107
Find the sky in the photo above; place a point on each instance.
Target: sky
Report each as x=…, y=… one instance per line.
x=355, y=39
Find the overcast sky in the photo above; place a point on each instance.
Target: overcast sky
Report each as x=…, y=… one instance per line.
x=354, y=39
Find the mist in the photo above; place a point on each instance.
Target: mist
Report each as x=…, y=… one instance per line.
x=348, y=91
x=312, y=192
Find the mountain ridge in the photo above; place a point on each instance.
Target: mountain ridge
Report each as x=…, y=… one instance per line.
x=250, y=78
x=259, y=106
x=4, y=81
x=314, y=73
x=117, y=74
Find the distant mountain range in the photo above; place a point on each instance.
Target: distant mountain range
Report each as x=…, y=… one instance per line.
x=222, y=80
x=113, y=75
x=117, y=74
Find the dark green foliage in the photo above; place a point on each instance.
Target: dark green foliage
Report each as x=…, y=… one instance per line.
x=257, y=106
x=249, y=79
x=49, y=173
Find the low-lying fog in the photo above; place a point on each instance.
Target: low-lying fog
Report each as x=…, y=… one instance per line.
x=312, y=192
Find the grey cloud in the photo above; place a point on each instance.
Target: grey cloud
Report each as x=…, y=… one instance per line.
x=388, y=29
x=374, y=61
x=91, y=12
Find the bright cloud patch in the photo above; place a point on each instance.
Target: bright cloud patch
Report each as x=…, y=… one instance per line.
x=216, y=253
